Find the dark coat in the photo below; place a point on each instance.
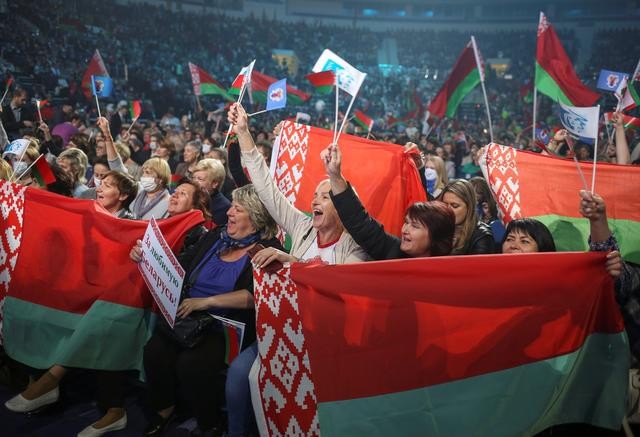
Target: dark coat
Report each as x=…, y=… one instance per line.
x=364, y=229
x=481, y=242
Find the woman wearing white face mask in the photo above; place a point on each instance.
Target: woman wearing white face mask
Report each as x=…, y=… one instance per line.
x=153, y=197
x=436, y=175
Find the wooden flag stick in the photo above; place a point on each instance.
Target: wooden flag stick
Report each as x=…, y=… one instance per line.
x=132, y=123
x=39, y=113
x=256, y=113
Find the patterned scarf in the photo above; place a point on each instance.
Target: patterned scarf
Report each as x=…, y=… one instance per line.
x=226, y=242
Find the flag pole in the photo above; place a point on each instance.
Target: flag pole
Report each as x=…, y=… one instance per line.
x=132, y=123
x=335, y=124
x=39, y=113
x=240, y=96
x=346, y=116
x=97, y=105
x=256, y=113
x=5, y=94
x=533, y=126
x=28, y=168
x=484, y=90
x=595, y=157
x=584, y=181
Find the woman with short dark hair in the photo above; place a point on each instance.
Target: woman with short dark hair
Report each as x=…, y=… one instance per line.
x=527, y=235
x=428, y=226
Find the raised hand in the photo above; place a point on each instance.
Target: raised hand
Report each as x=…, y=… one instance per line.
x=592, y=206
x=103, y=124
x=237, y=117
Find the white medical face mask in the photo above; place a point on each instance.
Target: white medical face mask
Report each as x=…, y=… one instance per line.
x=148, y=183
x=206, y=148
x=96, y=182
x=430, y=174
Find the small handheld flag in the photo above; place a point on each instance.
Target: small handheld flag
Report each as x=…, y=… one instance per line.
x=609, y=80
x=362, y=119
x=580, y=122
x=277, y=95
x=135, y=109
x=101, y=86
x=42, y=172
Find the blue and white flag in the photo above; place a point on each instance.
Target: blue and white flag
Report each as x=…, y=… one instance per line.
x=580, y=122
x=277, y=95
x=101, y=86
x=16, y=147
x=609, y=80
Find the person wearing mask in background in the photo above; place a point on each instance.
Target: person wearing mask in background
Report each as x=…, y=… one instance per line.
x=152, y=199
x=100, y=169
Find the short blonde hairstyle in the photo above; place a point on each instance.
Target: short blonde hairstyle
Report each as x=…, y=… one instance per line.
x=78, y=162
x=214, y=168
x=161, y=167
x=248, y=198
x=123, y=150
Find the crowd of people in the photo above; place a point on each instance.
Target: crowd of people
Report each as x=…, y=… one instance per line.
x=171, y=164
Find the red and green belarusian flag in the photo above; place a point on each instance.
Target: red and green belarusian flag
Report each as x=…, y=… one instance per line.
x=505, y=357
x=86, y=304
x=627, y=121
x=631, y=96
x=243, y=77
x=527, y=184
x=555, y=76
x=464, y=77
x=298, y=173
x=41, y=171
x=323, y=81
x=259, y=84
x=135, y=109
x=204, y=84
x=362, y=119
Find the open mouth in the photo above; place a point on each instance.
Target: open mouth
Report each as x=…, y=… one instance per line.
x=317, y=212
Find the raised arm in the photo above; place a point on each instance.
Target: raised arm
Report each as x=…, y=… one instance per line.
x=623, y=156
x=115, y=161
x=282, y=211
x=364, y=229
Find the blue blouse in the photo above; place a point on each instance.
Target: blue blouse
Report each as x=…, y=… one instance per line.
x=216, y=277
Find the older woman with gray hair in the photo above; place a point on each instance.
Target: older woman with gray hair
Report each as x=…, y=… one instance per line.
x=218, y=280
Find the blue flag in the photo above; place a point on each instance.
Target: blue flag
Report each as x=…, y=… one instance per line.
x=581, y=122
x=102, y=86
x=609, y=80
x=277, y=95
x=542, y=135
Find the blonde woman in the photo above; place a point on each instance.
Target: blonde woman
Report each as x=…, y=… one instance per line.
x=471, y=236
x=436, y=175
x=74, y=162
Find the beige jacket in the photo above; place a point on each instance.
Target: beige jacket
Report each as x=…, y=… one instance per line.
x=294, y=222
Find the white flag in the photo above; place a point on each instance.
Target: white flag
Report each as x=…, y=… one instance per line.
x=349, y=78
x=580, y=122
x=17, y=147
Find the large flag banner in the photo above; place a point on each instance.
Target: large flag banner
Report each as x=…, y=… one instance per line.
x=609, y=80
x=101, y=86
x=96, y=67
x=349, y=78
x=71, y=294
x=437, y=357
x=527, y=184
x=277, y=95
x=464, y=77
x=581, y=122
x=205, y=84
x=555, y=76
x=385, y=178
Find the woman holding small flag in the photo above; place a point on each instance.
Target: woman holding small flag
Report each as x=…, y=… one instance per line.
x=428, y=226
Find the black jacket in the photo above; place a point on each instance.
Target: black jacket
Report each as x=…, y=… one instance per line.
x=191, y=257
x=364, y=229
x=11, y=126
x=481, y=241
